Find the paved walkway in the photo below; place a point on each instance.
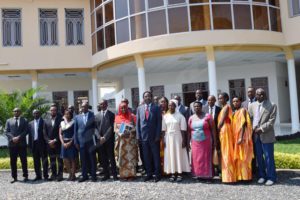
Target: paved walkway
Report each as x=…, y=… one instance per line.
x=288, y=187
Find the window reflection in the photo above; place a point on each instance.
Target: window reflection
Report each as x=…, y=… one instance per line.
x=157, y=23
x=121, y=8
x=98, y=2
x=260, y=17
x=100, y=40
x=198, y=1
x=222, y=16
x=200, y=17
x=138, y=26
x=242, y=16
x=93, y=22
x=275, y=19
x=178, y=20
x=109, y=12
x=99, y=16
x=155, y=3
x=122, y=31
x=94, y=48
x=175, y=1
x=136, y=6
x=110, y=35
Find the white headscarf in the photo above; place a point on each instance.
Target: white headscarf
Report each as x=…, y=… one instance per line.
x=176, y=104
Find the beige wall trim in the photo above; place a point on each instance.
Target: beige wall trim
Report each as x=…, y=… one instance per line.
x=210, y=53
x=115, y=63
x=296, y=47
x=172, y=52
x=139, y=60
x=249, y=48
x=34, y=75
x=94, y=73
x=289, y=54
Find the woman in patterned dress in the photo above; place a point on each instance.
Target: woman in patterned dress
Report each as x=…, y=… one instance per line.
x=126, y=142
x=201, y=134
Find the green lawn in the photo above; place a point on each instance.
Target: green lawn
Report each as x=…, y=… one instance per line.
x=288, y=146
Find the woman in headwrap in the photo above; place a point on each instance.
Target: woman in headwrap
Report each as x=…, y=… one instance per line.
x=126, y=142
x=175, y=153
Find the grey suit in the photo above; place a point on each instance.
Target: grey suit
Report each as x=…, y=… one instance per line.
x=264, y=142
x=245, y=104
x=17, y=149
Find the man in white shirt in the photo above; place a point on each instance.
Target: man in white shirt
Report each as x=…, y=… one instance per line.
x=251, y=97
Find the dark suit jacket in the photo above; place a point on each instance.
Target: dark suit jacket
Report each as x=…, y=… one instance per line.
x=52, y=132
x=84, y=133
x=31, y=130
x=105, y=126
x=216, y=114
x=12, y=131
x=204, y=102
x=148, y=129
x=184, y=110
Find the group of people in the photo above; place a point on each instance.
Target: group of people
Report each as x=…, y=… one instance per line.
x=169, y=138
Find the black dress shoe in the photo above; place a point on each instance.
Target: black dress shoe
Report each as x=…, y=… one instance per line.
x=52, y=177
x=156, y=179
x=82, y=179
x=94, y=179
x=14, y=180
x=46, y=178
x=148, y=178
x=59, y=178
x=105, y=178
x=37, y=178
x=25, y=179
x=115, y=178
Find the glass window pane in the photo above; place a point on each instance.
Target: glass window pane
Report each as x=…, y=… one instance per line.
x=122, y=31
x=92, y=4
x=97, y=2
x=100, y=40
x=175, y=1
x=138, y=27
x=274, y=2
x=157, y=23
x=200, y=17
x=109, y=12
x=296, y=7
x=93, y=22
x=94, y=45
x=136, y=6
x=199, y=1
x=155, y=3
x=178, y=20
x=260, y=17
x=99, y=17
x=275, y=19
x=222, y=16
x=220, y=0
x=110, y=35
x=260, y=1
x=121, y=8
x=242, y=16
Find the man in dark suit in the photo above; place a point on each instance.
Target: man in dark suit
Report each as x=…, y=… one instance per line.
x=84, y=139
x=263, y=114
x=184, y=110
x=149, y=132
x=51, y=135
x=105, y=133
x=199, y=97
x=38, y=146
x=16, y=129
x=250, y=99
x=214, y=110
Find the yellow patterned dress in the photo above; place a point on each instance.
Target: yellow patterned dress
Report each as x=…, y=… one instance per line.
x=226, y=145
x=243, y=153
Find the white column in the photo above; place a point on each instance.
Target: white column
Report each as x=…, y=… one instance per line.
x=212, y=71
x=293, y=95
x=71, y=98
x=141, y=75
x=34, y=79
x=94, y=90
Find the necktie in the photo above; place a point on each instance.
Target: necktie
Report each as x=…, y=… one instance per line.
x=211, y=111
x=256, y=116
x=147, y=112
x=16, y=122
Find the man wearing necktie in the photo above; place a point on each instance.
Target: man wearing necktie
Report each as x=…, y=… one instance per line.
x=149, y=132
x=38, y=146
x=84, y=130
x=263, y=114
x=16, y=129
x=104, y=121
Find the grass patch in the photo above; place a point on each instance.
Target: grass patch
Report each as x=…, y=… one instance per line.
x=288, y=146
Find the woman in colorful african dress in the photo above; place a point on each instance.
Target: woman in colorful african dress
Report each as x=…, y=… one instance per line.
x=201, y=134
x=243, y=146
x=175, y=154
x=163, y=104
x=126, y=142
x=226, y=140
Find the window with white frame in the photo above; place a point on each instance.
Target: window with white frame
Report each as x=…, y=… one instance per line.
x=74, y=26
x=48, y=27
x=294, y=7
x=11, y=27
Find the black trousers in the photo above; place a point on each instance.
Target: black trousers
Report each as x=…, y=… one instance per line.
x=56, y=163
x=40, y=155
x=151, y=151
x=107, y=156
x=88, y=160
x=14, y=152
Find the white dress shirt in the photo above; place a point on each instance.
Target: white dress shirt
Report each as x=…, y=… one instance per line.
x=36, y=129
